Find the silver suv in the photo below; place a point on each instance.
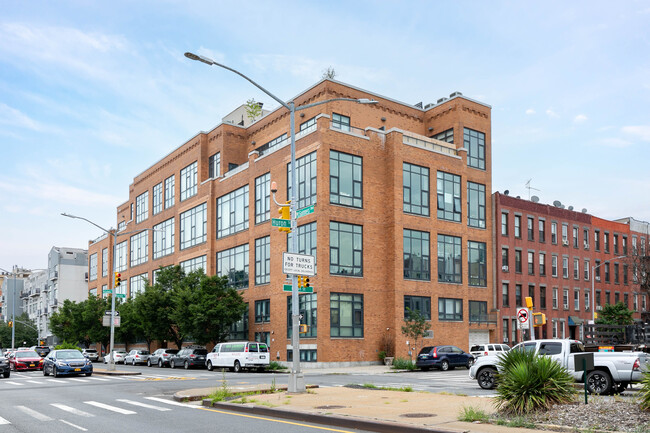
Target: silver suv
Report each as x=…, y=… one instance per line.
x=91, y=354
x=488, y=349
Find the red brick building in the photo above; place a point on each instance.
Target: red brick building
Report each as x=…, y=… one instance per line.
x=549, y=253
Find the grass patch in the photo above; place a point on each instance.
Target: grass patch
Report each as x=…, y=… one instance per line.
x=403, y=364
x=471, y=414
x=275, y=366
x=381, y=388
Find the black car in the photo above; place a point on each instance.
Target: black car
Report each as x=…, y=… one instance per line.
x=443, y=357
x=189, y=357
x=41, y=350
x=4, y=367
x=161, y=357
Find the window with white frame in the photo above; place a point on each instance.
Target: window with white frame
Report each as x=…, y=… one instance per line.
x=554, y=232
x=565, y=299
x=193, y=226
x=189, y=181
x=121, y=256
x=232, y=212
x=576, y=299
x=576, y=268
x=170, y=193
x=587, y=301
x=142, y=207
x=305, y=180
x=137, y=284
x=139, y=248
x=92, y=267
x=263, y=260
x=262, y=198
x=554, y=266
x=586, y=269
x=214, y=165
x=565, y=234
x=565, y=267
x=104, y=262
x=555, y=298
x=157, y=198
x=163, y=238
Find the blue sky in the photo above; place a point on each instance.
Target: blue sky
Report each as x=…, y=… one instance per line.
x=93, y=93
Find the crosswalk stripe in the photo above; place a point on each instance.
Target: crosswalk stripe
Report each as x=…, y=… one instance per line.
x=14, y=383
x=4, y=421
x=172, y=402
x=73, y=425
x=72, y=410
x=148, y=406
x=77, y=379
x=31, y=412
x=34, y=381
x=111, y=408
x=97, y=378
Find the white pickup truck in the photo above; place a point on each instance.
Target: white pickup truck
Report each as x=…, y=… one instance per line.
x=612, y=372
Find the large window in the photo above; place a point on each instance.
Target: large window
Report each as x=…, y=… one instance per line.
x=139, y=248
x=447, y=136
x=233, y=263
x=263, y=311
x=214, y=165
x=232, y=212
x=120, y=256
x=163, y=238
x=346, y=249
x=417, y=264
x=449, y=259
x=478, y=312
x=142, y=207
x=194, y=264
x=104, y=262
x=307, y=306
x=421, y=304
x=262, y=198
x=157, y=198
x=263, y=260
x=476, y=205
x=306, y=180
x=415, y=189
x=170, y=193
x=92, y=267
x=474, y=142
x=306, y=239
x=477, y=264
x=239, y=329
x=346, y=315
x=450, y=309
x=346, y=179
x=449, y=207
x=137, y=284
x=189, y=180
x=340, y=122
x=273, y=144
x=193, y=226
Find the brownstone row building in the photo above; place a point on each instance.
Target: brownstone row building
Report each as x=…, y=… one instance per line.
x=393, y=185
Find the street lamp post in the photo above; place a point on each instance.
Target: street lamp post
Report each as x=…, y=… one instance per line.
x=593, y=288
x=296, y=378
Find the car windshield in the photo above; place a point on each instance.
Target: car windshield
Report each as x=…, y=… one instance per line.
x=426, y=349
x=69, y=354
x=143, y=352
x=27, y=354
x=172, y=351
x=91, y=351
x=200, y=352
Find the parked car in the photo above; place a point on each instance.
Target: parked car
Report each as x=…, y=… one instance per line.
x=5, y=368
x=137, y=356
x=238, y=355
x=189, y=357
x=161, y=357
x=67, y=361
x=41, y=350
x=23, y=360
x=91, y=354
x=488, y=349
x=119, y=356
x=443, y=358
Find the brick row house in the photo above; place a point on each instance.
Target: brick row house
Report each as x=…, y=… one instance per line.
x=549, y=253
x=393, y=185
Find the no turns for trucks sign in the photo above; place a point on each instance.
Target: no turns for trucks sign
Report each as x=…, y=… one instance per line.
x=298, y=264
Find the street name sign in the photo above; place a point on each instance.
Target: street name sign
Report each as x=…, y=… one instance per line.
x=121, y=295
x=298, y=264
x=279, y=222
x=305, y=211
x=287, y=288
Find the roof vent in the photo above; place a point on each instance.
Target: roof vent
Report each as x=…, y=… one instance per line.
x=506, y=192
x=441, y=100
x=584, y=210
x=419, y=105
x=518, y=196
x=534, y=199
x=570, y=207
x=455, y=94
x=557, y=203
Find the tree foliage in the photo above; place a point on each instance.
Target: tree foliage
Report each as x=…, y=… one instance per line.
x=329, y=73
x=25, y=331
x=415, y=326
x=253, y=109
x=81, y=323
x=617, y=314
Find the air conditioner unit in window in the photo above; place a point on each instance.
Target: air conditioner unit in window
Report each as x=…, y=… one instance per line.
x=565, y=243
x=586, y=245
x=504, y=268
x=599, y=307
x=597, y=278
x=505, y=340
x=429, y=334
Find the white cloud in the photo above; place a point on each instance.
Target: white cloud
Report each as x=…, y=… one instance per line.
x=11, y=116
x=551, y=113
x=641, y=132
x=580, y=118
x=530, y=111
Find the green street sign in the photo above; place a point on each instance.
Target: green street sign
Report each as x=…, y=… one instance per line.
x=279, y=222
x=107, y=291
x=305, y=211
x=287, y=288
x=120, y=295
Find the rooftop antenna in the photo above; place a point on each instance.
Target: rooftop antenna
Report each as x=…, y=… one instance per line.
x=530, y=188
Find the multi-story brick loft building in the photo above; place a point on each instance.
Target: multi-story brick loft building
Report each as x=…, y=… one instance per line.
x=548, y=253
x=393, y=184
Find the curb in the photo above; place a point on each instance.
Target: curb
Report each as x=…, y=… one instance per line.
x=115, y=372
x=331, y=420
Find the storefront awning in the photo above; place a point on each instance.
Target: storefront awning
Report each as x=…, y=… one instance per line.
x=575, y=320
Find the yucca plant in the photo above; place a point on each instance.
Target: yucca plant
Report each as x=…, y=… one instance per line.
x=528, y=382
x=644, y=392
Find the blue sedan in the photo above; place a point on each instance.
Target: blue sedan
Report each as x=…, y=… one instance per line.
x=66, y=361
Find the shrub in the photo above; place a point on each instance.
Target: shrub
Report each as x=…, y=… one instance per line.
x=472, y=414
x=274, y=366
x=403, y=364
x=66, y=345
x=382, y=355
x=529, y=382
x=644, y=392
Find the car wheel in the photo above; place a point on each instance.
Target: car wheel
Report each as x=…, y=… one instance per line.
x=148, y=363
x=160, y=364
x=599, y=382
x=89, y=374
x=444, y=365
x=620, y=387
x=172, y=364
x=54, y=372
x=487, y=378
x=209, y=365
x=133, y=362
x=237, y=367
x=470, y=362
x=45, y=373
x=186, y=365
x=260, y=369
x=6, y=374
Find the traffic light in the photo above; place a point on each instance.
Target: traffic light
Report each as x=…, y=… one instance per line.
x=285, y=214
x=539, y=319
x=304, y=328
x=529, y=302
x=118, y=279
x=305, y=282
x=11, y=323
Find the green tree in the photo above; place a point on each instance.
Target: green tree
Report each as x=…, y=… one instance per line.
x=64, y=323
x=130, y=329
x=617, y=314
x=415, y=326
x=25, y=331
x=81, y=323
x=253, y=109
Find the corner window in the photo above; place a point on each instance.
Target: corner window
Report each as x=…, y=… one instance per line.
x=308, y=307
x=346, y=179
x=340, y=122
x=214, y=165
x=474, y=142
x=305, y=180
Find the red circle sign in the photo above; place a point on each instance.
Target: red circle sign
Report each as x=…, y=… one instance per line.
x=522, y=315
